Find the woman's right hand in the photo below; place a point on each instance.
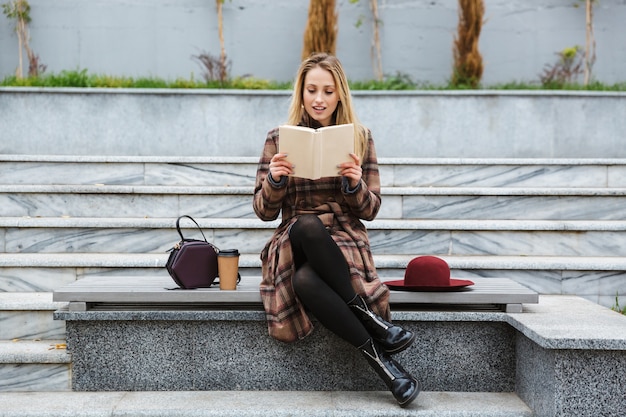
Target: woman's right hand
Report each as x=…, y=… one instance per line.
x=279, y=166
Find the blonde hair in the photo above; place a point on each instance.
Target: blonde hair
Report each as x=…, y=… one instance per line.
x=345, y=111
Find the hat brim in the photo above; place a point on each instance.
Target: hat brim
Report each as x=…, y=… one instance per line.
x=455, y=285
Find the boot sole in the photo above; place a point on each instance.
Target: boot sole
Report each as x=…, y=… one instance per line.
x=400, y=348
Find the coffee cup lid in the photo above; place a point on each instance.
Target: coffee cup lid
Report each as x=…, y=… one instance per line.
x=229, y=252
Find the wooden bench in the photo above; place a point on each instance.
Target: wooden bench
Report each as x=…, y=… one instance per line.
x=110, y=293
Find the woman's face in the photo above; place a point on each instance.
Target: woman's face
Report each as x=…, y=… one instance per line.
x=320, y=95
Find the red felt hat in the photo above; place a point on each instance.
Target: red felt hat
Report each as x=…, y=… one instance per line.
x=428, y=273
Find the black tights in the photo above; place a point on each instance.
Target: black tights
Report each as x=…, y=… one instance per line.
x=322, y=279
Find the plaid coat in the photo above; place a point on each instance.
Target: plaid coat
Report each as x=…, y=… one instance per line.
x=340, y=212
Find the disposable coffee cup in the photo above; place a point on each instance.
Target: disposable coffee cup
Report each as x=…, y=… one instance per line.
x=228, y=268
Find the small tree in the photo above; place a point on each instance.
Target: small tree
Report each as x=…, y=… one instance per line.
x=566, y=69
x=376, y=55
x=590, y=42
x=320, y=34
x=215, y=68
x=468, y=63
x=223, y=65
x=377, y=60
x=20, y=11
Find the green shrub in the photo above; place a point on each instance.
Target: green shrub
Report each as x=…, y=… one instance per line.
x=398, y=82
x=82, y=79
x=149, y=83
x=106, y=81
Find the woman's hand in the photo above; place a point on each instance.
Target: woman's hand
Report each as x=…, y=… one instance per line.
x=279, y=166
x=352, y=171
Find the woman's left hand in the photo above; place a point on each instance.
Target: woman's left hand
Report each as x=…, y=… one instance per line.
x=352, y=171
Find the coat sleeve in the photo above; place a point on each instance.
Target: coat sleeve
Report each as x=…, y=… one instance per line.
x=268, y=198
x=364, y=201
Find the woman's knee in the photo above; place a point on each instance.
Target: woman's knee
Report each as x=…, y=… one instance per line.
x=304, y=280
x=307, y=227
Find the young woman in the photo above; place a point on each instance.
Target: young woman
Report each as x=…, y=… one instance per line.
x=319, y=256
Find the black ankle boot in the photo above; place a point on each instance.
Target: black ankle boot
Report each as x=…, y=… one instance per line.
x=391, y=338
x=402, y=385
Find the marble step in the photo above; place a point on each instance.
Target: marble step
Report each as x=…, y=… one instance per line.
x=442, y=203
x=260, y=404
x=33, y=355
x=598, y=279
x=387, y=237
x=33, y=366
x=28, y=316
x=240, y=171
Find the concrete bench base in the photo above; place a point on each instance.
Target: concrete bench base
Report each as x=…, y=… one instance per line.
x=562, y=356
x=237, y=354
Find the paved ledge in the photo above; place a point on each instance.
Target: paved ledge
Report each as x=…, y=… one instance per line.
x=159, y=132
x=570, y=322
x=258, y=404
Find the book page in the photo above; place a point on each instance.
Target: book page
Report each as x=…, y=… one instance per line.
x=297, y=143
x=316, y=153
x=336, y=143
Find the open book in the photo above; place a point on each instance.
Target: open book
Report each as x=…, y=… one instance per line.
x=316, y=152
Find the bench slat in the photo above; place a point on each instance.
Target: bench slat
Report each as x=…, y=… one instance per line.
x=157, y=289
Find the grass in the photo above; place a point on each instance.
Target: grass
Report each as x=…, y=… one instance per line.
x=616, y=306
x=594, y=86
x=82, y=79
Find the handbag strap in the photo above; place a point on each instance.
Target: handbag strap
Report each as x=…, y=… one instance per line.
x=190, y=218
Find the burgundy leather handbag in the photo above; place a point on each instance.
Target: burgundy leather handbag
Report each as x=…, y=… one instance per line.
x=192, y=263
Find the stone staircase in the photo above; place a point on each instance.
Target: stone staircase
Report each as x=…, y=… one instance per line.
x=554, y=225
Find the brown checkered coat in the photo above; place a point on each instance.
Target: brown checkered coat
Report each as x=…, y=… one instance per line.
x=286, y=317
